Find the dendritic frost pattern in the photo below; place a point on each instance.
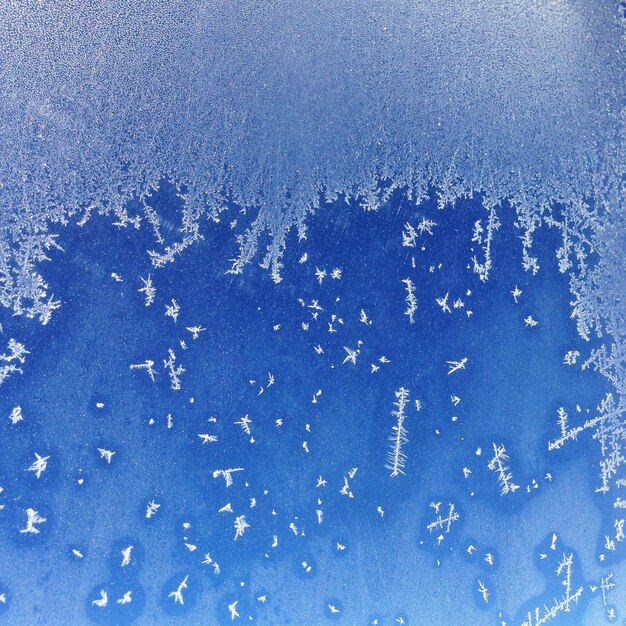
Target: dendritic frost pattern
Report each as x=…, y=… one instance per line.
x=396, y=458
x=278, y=109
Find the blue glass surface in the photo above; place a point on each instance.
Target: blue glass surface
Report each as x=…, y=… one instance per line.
x=369, y=552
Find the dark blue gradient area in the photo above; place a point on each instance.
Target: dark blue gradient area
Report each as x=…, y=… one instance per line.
x=313, y=528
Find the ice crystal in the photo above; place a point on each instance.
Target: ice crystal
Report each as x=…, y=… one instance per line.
x=396, y=458
x=565, y=604
x=498, y=464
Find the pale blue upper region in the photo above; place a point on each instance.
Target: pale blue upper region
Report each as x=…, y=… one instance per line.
x=271, y=106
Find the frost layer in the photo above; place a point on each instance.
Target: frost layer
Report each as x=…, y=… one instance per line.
x=277, y=107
